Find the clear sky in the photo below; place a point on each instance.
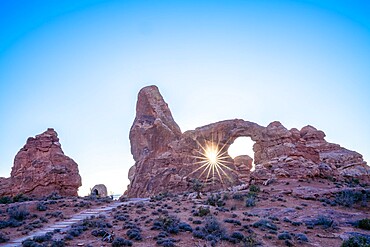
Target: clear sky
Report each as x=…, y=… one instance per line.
x=77, y=66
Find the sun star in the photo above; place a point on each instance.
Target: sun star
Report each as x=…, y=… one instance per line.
x=213, y=161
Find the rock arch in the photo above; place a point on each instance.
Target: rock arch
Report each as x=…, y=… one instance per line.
x=165, y=158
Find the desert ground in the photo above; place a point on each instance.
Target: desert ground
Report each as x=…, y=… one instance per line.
x=314, y=212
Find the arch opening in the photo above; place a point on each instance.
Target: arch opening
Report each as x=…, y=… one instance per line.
x=95, y=192
x=242, y=146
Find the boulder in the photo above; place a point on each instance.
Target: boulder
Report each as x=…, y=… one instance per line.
x=243, y=164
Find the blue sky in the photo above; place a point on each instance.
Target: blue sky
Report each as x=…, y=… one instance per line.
x=77, y=66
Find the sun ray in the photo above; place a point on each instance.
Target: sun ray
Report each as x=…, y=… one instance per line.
x=212, y=160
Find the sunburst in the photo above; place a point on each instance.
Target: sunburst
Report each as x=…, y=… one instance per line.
x=213, y=161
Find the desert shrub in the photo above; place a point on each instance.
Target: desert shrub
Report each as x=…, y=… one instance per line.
x=99, y=232
x=364, y=224
x=199, y=234
x=56, y=214
x=202, y=211
x=3, y=224
x=324, y=221
x=3, y=238
x=232, y=221
x=30, y=243
x=36, y=241
x=121, y=242
x=44, y=220
x=296, y=223
x=250, y=201
x=17, y=213
x=57, y=243
x=53, y=196
x=185, y=227
x=43, y=238
x=169, y=224
x=121, y=216
x=134, y=234
x=284, y=236
x=238, y=197
x=300, y=237
x=197, y=186
x=357, y=241
x=254, y=188
x=166, y=242
x=10, y=223
x=265, y=225
x=215, y=200
x=226, y=196
x=236, y=237
x=83, y=204
x=40, y=206
x=76, y=231
x=93, y=222
x=21, y=198
x=160, y=196
x=251, y=241
x=348, y=198
x=129, y=225
x=212, y=230
x=161, y=235
x=5, y=200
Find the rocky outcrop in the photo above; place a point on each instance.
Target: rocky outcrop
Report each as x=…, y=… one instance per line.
x=99, y=190
x=244, y=165
x=41, y=168
x=167, y=160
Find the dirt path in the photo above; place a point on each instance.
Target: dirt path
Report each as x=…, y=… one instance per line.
x=66, y=224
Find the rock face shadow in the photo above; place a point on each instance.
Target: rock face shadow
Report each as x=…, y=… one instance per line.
x=165, y=158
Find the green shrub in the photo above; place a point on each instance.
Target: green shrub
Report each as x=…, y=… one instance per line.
x=357, y=241
x=21, y=198
x=40, y=206
x=17, y=213
x=5, y=200
x=215, y=200
x=250, y=241
x=254, y=188
x=265, y=224
x=3, y=238
x=121, y=242
x=203, y=211
x=364, y=224
x=212, y=231
x=168, y=224
x=323, y=221
x=348, y=197
x=250, y=201
x=239, y=197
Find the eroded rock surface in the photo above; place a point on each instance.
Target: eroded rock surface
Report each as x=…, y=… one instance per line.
x=99, y=190
x=166, y=160
x=41, y=168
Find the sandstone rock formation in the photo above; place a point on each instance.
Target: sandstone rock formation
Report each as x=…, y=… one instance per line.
x=99, y=190
x=41, y=168
x=243, y=164
x=167, y=160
